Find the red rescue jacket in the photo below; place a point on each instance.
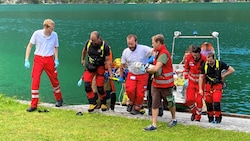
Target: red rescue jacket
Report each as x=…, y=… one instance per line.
x=165, y=78
x=192, y=68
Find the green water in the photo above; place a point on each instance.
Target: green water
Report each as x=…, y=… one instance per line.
x=115, y=22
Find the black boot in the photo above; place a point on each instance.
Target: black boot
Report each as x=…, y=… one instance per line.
x=150, y=111
x=59, y=103
x=218, y=119
x=210, y=118
x=160, y=114
x=30, y=109
x=113, y=100
x=192, y=117
x=129, y=108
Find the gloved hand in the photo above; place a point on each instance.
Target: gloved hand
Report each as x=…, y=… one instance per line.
x=120, y=79
x=79, y=83
x=106, y=76
x=151, y=59
x=185, y=83
x=27, y=64
x=125, y=72
x=140, y=66
x=56, y=63
x=143, y=68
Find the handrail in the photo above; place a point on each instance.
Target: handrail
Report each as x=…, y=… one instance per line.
x=195, y=37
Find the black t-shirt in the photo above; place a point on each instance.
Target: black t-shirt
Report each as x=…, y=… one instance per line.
x=95, y=52
x=96, y=49
x=211, y=71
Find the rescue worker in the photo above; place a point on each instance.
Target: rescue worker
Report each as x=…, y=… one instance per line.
x=109, y=88
x=45, y=58
x=206, y=48
x=97, y=52
x=109, y=85
x=211, y=71
x=136, y=80
x=162, y=83
x=191, y=75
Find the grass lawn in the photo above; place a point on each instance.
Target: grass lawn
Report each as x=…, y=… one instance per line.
x=63, y=125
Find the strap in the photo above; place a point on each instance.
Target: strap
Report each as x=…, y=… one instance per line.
x=216, y=66
x=102, y=48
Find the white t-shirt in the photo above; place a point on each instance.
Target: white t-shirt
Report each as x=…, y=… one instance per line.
x=140, y=54
x=45, y=46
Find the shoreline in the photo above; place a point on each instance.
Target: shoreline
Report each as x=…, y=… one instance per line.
x=232, y=122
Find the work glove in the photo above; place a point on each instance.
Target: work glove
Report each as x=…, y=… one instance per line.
x=56, y=63
x=106, y=76
x=151, y=59
x=125, y=72
x=79, y=83
x=27, y=64
x=185, y=83
x=140, y=66
x=120, y=79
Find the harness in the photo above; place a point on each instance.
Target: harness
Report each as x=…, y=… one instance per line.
x=212, y=81
x=217, y=72
x=92, y=60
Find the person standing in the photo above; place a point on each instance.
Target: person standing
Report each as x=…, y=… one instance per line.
x=45, y=58
x=109, y=85
x=97, y=52
x=211, y=70
x=149, y=96
x=136, y=80
x=191, y=74
x=162, y=83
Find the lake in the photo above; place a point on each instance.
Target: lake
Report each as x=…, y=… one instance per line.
x=74, y=22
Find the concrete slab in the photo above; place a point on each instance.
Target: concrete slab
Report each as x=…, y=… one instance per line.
x=229, y=122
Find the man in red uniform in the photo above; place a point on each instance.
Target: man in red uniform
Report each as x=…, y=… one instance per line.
x=46, y=58
x=162, y=83
x=136, y=80
x=191, y=74
x=98, y=53
x=211, y=70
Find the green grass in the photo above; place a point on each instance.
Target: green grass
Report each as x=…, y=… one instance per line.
x=64, y=125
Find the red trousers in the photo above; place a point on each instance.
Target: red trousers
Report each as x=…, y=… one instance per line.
x=213, y=95
x=194, y=99
x=88, y=77
x=136, y=85
x=47, y=64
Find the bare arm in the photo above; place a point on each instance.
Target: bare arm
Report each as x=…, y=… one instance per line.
x=84, y=52
x=28, y=49
x=122, y=70
x=56, y=53
x=109, y=65
x=229, y=71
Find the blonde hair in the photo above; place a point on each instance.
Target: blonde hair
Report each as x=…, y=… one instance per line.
x=48, y=22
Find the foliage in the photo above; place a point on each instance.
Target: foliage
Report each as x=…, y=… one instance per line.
x=103, y=1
